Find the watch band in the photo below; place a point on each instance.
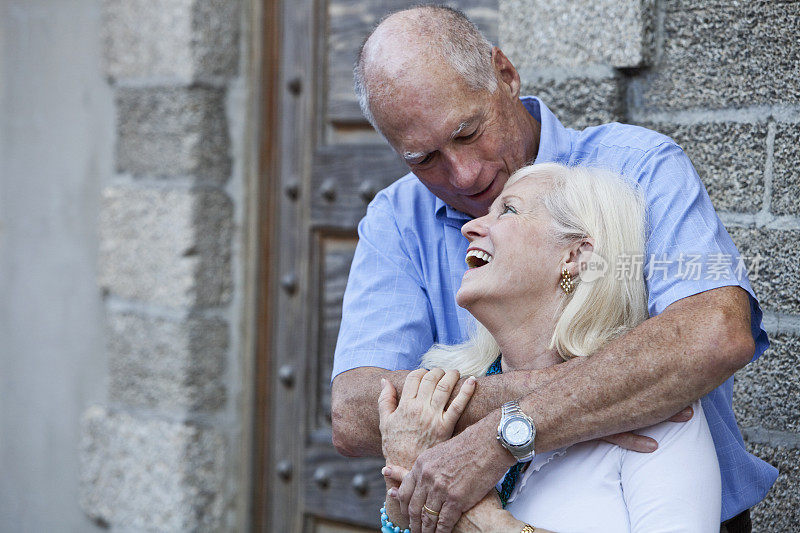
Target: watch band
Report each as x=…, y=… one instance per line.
x=512, y=408
x=528, y=529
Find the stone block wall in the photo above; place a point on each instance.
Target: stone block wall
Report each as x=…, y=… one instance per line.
x=161, y=454
x=723, y=79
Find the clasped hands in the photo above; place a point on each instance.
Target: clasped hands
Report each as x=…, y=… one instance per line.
x=416, y=430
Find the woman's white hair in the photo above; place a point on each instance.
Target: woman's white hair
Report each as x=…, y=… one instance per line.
x=583, y=202
x=446, y=32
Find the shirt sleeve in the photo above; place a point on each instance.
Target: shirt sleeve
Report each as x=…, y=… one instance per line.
x=688, y=248
x=386, y=317
x=677, y=488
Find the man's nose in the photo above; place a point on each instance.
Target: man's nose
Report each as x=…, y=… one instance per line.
x=474, y=229
x=464, y=171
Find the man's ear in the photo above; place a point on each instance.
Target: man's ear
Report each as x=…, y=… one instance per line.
x=505, y=72
x=577, y=255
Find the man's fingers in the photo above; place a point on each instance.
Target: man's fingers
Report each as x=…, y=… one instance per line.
x=430, y=519
x=411, y=385
x=684, y=415
x=429, y=382
x=415, y=507
x=633, y=442
x=448, y=517
x=444, y=389
x=387, y=401
x=640, y=443
x=459, y=404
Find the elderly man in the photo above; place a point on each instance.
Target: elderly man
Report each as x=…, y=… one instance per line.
x=449, y=103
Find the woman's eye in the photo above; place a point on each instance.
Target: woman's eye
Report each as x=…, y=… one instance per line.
x=508, y=209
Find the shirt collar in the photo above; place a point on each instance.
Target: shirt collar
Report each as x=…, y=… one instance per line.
x=554, y=145
x=555, y=141
x=451, y=214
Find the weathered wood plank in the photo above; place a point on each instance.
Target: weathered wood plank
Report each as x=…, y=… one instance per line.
x=334, y=490
x=345, y=178
x=320, y=525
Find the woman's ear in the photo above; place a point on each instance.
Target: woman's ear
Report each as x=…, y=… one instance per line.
x=578, y=256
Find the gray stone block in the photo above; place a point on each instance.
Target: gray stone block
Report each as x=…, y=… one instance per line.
x=729, y=157
x=767, y=392
x=150, y=475
x=725, y=54
x=579, y=102
x=541, y=33
x=183, y=39
x=173, y=132
x=167, y=364
x=786, y=171
x=166, y=246
x=776, y=281
x=780, y=510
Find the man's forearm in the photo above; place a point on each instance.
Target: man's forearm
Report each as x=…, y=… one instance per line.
x=354, y=409
x=493, y=391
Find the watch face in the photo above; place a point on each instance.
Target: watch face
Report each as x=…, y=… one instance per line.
x=517, y=432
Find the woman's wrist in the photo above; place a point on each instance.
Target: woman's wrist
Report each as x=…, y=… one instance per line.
x=404, y=460
x=508, y=523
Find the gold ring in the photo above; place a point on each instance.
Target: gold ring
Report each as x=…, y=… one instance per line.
x=430, y=511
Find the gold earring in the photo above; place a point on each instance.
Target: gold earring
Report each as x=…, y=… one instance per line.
x=566, y=281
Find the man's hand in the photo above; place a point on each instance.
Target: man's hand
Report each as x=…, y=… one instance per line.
x=641, y=443
x=486, y=516
x=453, y=476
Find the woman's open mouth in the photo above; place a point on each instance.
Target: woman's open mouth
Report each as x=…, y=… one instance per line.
x=477, y=258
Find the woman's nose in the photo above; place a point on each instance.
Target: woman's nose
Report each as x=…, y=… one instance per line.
x=474, y=228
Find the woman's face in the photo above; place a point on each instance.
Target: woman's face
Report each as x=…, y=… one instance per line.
x=512, y=257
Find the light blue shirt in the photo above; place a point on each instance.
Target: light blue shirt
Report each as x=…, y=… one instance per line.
x=400, y=296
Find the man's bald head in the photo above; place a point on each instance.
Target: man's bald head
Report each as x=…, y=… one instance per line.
x=407, y=45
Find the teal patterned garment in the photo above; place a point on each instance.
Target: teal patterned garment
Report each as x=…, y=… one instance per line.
x=513, y=473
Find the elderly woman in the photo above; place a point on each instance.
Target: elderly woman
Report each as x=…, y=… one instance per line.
x=548, y=281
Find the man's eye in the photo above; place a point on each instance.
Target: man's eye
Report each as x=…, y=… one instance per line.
x=427, y=159
x=470, y=136
x=508, y=209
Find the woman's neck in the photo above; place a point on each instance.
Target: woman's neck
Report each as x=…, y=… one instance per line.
x=524, y=337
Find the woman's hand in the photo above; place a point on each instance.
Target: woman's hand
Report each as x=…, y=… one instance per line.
x=421, y=418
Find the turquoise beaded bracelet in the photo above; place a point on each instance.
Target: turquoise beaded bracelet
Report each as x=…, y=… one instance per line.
x=387, y=526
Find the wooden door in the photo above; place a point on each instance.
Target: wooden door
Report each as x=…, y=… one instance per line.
x=329, y=163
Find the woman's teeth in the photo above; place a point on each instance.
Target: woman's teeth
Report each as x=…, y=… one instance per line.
x=477, y=258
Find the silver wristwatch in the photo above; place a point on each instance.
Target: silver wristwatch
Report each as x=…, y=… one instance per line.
x=516, y=431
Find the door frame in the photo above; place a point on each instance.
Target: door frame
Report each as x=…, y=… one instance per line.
x=265, y=45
